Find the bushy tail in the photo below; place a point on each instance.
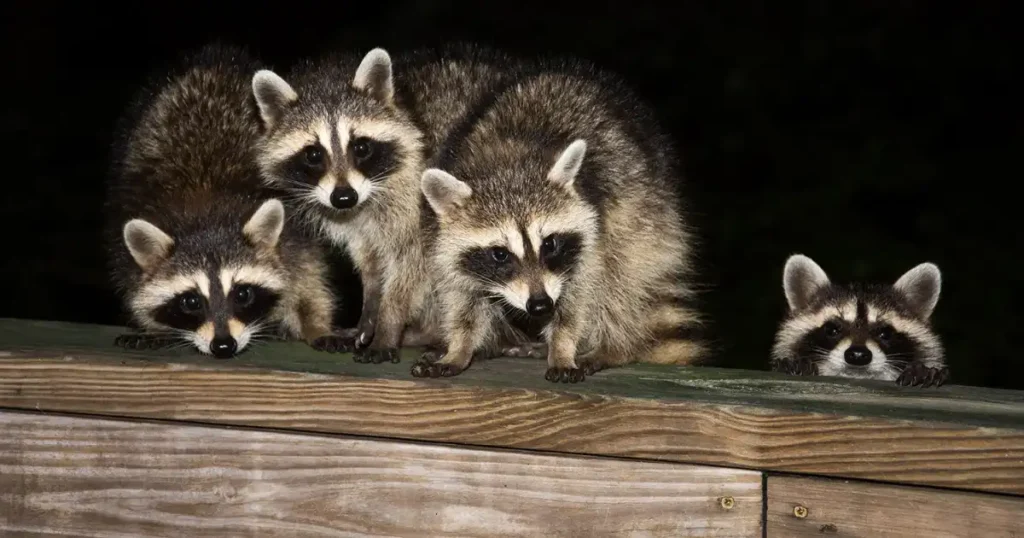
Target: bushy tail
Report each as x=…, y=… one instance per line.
x=678, y=335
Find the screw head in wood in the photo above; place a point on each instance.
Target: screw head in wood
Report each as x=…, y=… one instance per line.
x=727, y=502
x=800, y=511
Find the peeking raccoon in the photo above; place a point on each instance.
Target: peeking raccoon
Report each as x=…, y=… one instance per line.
x=861, y=331
x=201, y=253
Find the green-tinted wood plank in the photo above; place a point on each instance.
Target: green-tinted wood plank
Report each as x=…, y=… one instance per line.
x=964, y=405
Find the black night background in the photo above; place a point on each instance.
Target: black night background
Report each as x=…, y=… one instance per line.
x=871, y=136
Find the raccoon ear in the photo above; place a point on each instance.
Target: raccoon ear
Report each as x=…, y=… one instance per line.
x=443, y=191
x=148, y=244
x=273, y=95
x=568, y=164
x=374, y=76
x=921, y=286
x=265, y=225
x=801, y=279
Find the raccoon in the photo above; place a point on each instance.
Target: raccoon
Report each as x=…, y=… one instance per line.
x=877, y=332
x=200, y=252
x=556, y=214
x=350, y=140
x=442, y=88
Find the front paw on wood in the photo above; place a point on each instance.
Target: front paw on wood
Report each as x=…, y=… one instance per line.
x=377, y=356
x=428, y=367
x=333, y=343
x=917, y=374
x=565, y=375
x=573, y=375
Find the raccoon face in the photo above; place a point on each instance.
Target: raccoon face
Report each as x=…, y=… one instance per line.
x=518, y=242
x=869, y=332
x=334, y=145
x=216, y=303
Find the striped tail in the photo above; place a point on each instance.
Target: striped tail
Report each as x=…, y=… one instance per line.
x=679, y=335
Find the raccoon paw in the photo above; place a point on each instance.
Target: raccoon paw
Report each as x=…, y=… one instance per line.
x=377, y=356
x=918, y=374
x=800, y=367
x=143, y=341
x=565, y=375
x=426, y=367
x=533, y=350
x=333, y=343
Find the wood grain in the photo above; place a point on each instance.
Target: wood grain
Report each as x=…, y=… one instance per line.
x=967, y=406
x=846, y=509
x=926, y=453
x=92, y=477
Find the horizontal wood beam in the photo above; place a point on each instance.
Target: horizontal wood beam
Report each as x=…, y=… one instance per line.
x=957, y=437
x=62, y=475
x=814, y=507
x=987, y=459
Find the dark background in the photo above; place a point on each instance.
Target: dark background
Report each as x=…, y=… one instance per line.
x=870, y=136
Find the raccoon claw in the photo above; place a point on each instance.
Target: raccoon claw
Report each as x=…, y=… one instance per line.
x=536, y=350
x=426, y=368
x=142, y=341
x=918, y=374
x=565, y=375
x=363, y=333
x=377, y=356
x=333, y=344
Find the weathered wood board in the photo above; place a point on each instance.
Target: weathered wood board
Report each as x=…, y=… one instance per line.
x=974, y=406
x=87, y=477
x=820, y=507
x=959, y=437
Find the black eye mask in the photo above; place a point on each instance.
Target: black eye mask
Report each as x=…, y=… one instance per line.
x=187, y=311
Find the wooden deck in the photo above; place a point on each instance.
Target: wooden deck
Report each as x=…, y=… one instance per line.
x=285, y=441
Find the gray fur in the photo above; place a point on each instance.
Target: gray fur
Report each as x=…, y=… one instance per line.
x=425, y=98
x=184, y=167
x=570, y=144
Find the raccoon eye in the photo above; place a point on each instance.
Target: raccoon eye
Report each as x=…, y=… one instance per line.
x=500, y=254
x=313, y=155
x=243, y=296
x=190, y=303
x=362, y=148
x=551, y=246
x=884, y=334
x=832, y=329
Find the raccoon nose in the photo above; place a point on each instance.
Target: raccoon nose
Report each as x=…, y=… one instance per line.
x=344, y=197
x=223, y=347
x=858, y=355
x=539, y=305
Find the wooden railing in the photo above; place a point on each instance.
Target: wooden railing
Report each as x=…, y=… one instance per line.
x=99, y=441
